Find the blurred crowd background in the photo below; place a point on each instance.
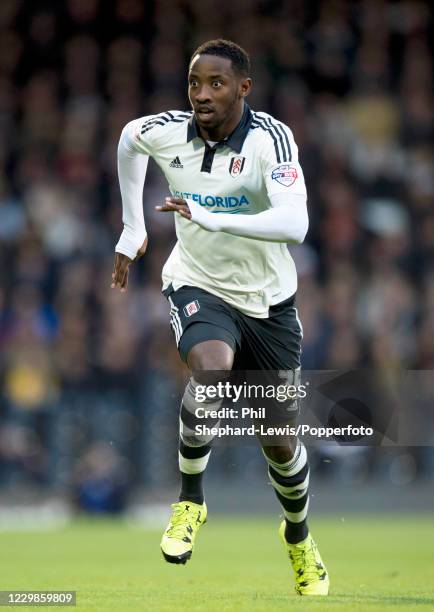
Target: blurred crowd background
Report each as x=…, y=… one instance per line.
x=90, y=378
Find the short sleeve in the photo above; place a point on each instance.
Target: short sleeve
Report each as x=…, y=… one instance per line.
x=280, y=166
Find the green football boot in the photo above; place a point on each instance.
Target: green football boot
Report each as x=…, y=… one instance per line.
x=311, y=577
x=178, y=540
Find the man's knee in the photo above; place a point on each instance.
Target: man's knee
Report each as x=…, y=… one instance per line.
x=210, y=355
x=281, y=454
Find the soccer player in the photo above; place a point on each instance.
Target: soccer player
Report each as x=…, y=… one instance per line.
x=239, y=198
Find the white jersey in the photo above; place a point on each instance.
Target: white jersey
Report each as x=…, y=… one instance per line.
x=238, y=176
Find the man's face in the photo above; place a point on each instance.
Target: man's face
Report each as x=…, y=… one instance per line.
x=214, y=90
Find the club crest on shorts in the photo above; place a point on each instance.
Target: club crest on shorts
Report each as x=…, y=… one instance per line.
x=236, y=166
x=285, y=175
x=191, y=308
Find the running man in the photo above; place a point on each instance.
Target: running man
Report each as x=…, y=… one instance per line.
x=239, y=197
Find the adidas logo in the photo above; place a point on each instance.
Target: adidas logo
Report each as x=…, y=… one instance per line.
x=176, y=163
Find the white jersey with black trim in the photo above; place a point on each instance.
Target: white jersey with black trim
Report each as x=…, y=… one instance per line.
x=238, y=176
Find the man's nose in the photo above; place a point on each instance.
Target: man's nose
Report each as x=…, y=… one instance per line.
x=202, y=94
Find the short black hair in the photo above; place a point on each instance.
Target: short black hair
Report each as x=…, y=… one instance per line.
x=228, y=49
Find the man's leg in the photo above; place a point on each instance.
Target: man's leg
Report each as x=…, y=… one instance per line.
x=274, y=346
x=288, y=470
x=209, y=361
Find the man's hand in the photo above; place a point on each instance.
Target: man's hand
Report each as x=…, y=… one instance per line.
x=178, y=205
x=121, y=268
x=192, y=211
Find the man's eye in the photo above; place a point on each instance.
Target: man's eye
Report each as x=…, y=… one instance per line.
x=217, y=84
x=193, y=83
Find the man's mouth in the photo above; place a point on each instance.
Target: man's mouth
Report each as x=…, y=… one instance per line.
x=204, y=112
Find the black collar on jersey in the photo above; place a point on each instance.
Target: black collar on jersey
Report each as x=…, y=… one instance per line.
x=235, y=140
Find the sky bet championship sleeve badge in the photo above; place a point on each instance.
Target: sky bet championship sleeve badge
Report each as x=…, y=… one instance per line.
x=236, y=166
x=191, y=308
x=285, y=175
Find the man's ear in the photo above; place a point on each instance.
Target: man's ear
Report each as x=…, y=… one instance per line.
x=245, y=87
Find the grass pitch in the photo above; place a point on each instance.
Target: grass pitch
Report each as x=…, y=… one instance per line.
x=375, y=563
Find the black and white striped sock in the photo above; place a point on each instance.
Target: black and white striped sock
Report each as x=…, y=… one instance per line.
x=290, y=481
x=194, y=450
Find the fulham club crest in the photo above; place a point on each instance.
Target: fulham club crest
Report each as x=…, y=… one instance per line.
x=236, y=166
x=191, y=308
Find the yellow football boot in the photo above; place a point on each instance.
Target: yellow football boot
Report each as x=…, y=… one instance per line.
x=311, y=577
x=178, y=539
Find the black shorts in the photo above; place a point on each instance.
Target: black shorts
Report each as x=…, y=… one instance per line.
x=259, y=344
